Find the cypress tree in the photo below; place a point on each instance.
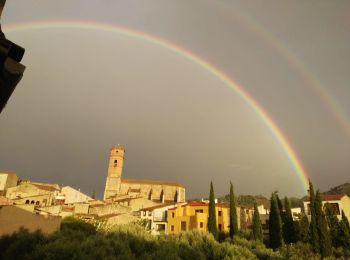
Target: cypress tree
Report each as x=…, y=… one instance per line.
x=280, y=206
x=289, y=233
x=334, y=226
x=322, y=228
x=303, y=235
x=345, y=220
x=233, y=213
x=314, y=239
x=275, y=224
x=344, y=231
x=212, y=227
x=257, y=230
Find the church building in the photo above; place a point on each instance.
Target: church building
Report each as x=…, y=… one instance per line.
x=157, y=191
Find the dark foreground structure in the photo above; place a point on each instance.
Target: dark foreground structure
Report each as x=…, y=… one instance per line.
x=11, y=70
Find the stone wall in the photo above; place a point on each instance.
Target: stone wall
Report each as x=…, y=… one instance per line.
x=111, y=208
x=12, y=218
x=154, y=191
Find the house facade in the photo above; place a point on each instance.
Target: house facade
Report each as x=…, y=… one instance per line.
x=194, y=215
x=339, y=203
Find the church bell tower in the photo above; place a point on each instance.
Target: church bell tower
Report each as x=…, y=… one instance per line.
x=115, y=170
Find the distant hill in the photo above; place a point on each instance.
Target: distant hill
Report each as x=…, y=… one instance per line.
x=341, y=189
x=248, y=200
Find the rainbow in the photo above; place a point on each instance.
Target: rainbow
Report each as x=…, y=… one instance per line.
x=239, y=90
x=311, y=80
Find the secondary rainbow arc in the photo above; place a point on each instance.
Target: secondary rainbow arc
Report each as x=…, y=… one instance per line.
x=265, y=117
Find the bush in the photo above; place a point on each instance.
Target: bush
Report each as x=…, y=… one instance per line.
x=79, y=240
x=21, y=244
x=298, y=251
x=76, y=225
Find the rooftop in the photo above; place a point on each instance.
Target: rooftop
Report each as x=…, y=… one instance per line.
x=329, y=197
x=139, y=181
x=156, y=207
x=5, y=201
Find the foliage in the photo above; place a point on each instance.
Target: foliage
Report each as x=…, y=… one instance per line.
x=334, y=227
x=302, y=229
x=212, y=227
x=344, y=233
x=133, y=241
x=275, y=226
x=298, y=251
x=73, y=224
x=322, y=228
x=314, y=238
x=257, y=230
x=233, y=213
x=289, y=232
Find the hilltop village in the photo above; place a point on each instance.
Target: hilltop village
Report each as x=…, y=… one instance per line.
x=162, y=204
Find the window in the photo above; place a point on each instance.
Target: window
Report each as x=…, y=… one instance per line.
x=27, y=201
x=149, y=213
x=160, y=227
x=199, y=211
x=220, y=213
x=183, y=225
x=173, y=214
x=115, y=163
x=172, y=227
x=32, y=202
x=144, y=213
x=220, y=227
x=334, y=207
x=201, y=224
x=37, y=203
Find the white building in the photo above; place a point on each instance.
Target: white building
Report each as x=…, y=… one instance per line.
x=72, y=195
x=158, y=217
x=339, y=202
x=7, y=180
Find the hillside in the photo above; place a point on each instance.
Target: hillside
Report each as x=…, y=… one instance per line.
x=340, y=189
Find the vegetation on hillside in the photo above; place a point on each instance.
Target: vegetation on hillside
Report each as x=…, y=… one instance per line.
x=324, y=237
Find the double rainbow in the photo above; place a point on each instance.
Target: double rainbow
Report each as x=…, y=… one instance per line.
x=239, y=90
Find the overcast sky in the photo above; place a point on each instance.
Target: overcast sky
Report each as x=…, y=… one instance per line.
x=86, y=90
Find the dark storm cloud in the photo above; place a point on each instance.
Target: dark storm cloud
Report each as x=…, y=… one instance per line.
x=177, y=121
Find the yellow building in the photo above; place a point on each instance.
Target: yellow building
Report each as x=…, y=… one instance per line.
x=194, y=215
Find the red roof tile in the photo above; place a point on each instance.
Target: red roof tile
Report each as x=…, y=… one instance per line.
x=5, y=201
x=329, y=197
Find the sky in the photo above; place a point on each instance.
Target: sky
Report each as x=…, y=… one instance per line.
x=85, y=90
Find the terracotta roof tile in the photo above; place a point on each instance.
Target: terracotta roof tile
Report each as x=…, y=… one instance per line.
x=329, y=197
x=5, y=201
x=152, y=182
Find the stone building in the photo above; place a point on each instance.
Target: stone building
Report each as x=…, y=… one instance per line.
x=7, y=180
x=41, y=194
x=157, y=191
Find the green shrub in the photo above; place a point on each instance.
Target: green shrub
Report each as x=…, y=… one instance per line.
x=77, y=225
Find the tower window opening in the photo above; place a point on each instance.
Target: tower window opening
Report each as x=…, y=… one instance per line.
x=115, y=163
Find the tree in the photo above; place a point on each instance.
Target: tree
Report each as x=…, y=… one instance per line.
x=233, y=213
x=344, y=231
x=314, y=239
x=288, y=225
x=345, y=220
x=212, y=227
x=322, y=228
x=303, y=234
x=275, y=224
x=257, y=230
x=334, y=226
